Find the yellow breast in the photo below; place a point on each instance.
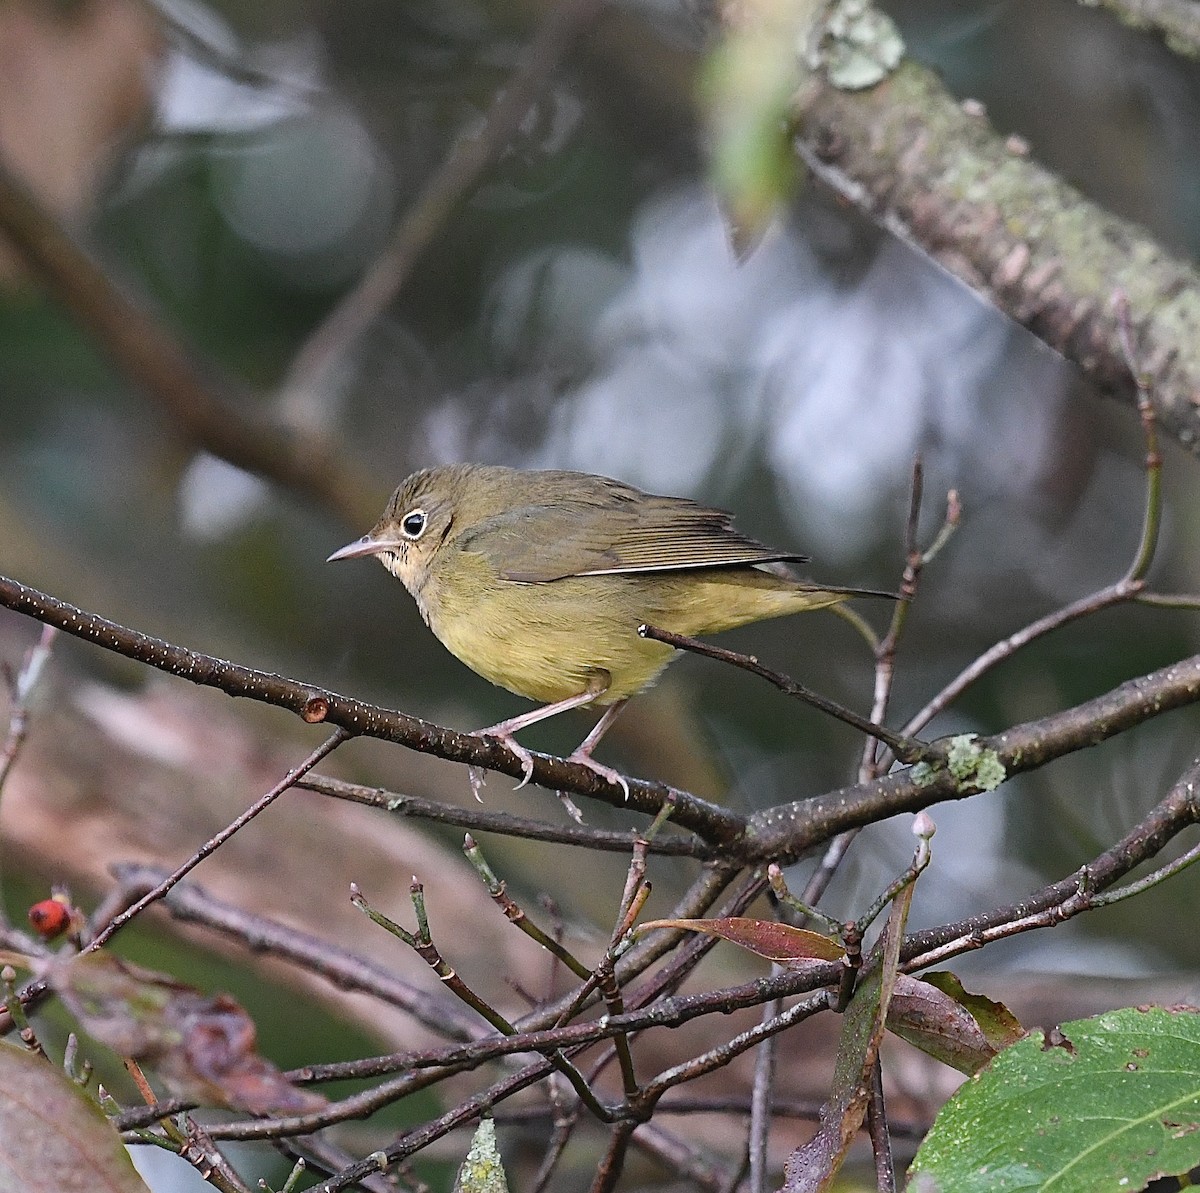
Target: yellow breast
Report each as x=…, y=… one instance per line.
x=549, y=641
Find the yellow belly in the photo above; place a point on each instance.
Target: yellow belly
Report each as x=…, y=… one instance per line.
x=549, y=641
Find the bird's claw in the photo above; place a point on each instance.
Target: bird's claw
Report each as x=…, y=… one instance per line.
x=605, y=772
x=514, y=747
x=477, y=777
x=525, y=758
x=571, y=807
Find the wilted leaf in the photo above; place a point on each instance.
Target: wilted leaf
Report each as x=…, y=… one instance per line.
x=117, y=1003
x=813, y=1166
x=962, y=1030
x=1097, y=1105
x=996, y=1021
x=768, y=938
x=53, y=1139
x=202, y=1046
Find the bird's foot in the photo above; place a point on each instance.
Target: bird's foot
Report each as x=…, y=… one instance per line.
x=571, y=807
x=477, y=777
x=514, y=747
x=605, y=772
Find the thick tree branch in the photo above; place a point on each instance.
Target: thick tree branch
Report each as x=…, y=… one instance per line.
x=936, y=174
x=779, y=834
x=318, y=706
x=1177, y=20
x=785, y=832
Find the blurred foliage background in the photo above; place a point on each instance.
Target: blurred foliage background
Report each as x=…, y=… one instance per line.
x=238, y=167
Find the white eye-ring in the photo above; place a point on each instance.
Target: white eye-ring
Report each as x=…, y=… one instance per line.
x=413, y=524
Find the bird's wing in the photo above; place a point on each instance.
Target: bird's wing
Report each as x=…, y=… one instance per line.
x=609, y=533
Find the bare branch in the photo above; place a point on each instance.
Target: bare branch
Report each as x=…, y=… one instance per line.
x=503, y=823
x=192, y=904
x=470, y=156
x=787, y=831
x=357, y=718
x=210, y=412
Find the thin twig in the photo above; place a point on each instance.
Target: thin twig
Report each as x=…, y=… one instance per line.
x=720, y=1056
x=1152, y=512
x=909, y=749
x=515, y=913
x=449, y=186
x=421, y=942
x=565, y=1122
x=1169, y=600
x=827, y=867
x=1114, y=594
x=690, y=1161
x=877, y=1127
x=22, y=686
x=1068, y=897
x=504, y=823
x=215, y=842
x=782, y=1107
x=37, y=988
x=915, y=560
x=608, y=1171
x=761, y=1100
x=1130, y=587
x=1153, y=879
x=190, y=903
x=871, y=766
x=208, y=1160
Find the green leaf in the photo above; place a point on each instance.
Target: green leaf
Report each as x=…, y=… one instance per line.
x=746, y=90
x=1099, y=1104
x=53, y=1139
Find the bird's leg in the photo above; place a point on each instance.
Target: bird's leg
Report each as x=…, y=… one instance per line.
x=504, y=731
x=583, y=751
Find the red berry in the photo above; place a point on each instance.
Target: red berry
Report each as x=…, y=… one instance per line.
x=50, y=918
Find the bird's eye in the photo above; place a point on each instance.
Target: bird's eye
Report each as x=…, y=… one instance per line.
x=413, y=524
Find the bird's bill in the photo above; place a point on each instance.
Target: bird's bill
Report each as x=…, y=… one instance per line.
x=362, y=547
